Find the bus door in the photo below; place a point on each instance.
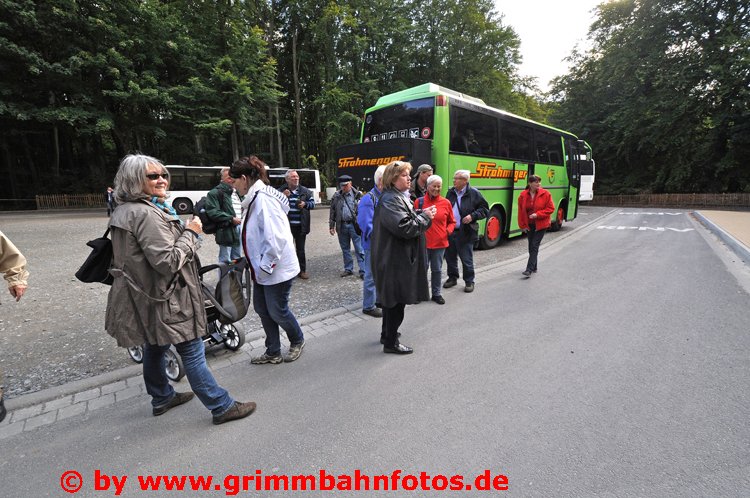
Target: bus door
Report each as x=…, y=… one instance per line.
x=576, y=150
x=521, y=172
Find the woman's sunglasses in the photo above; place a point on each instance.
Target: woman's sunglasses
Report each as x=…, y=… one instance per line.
x=155, y=176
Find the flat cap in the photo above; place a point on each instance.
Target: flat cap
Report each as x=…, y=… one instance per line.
x=345, y=179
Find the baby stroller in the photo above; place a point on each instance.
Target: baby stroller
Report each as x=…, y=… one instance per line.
x=226, y=303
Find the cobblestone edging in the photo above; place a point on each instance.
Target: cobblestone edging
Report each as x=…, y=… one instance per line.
x=55, y=404
x=28, y=418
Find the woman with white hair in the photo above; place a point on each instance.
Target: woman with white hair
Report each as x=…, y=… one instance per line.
x=442, y=226
x=156, y=298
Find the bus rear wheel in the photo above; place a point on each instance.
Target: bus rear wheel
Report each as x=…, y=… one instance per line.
x=182, y=205
x=559, y=220
x=493, y=230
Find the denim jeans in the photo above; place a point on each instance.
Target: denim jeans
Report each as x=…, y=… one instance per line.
x=193, y=355
x=435, y=264
x=271, y=302
x=464, y=250
x=535, y=239
x=228, y=254
x=348, y=236
x=368, y=287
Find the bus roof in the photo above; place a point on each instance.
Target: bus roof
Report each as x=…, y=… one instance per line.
x=431, y=89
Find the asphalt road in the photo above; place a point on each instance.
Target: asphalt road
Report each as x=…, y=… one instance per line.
x=55, y=334
x=620, y=369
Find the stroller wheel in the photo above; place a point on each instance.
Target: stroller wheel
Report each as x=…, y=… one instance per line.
x=173, y=366
x=233, y=338
x=136, y=353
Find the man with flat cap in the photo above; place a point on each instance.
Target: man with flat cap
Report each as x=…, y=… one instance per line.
x=419, y=183
x=341, y=220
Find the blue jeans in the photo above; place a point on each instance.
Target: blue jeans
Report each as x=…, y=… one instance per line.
x=368, y=287
x=193, y=355
x=464, y=250
x=228, y=254
x=435, y=263
x=271, y=302
x=348, y=236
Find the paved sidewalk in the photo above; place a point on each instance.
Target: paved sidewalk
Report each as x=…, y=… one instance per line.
x=732, y=227
x=28, y=412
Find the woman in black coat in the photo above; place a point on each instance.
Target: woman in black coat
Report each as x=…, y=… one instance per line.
x=398, y=254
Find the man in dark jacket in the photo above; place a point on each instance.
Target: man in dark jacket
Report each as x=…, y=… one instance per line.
x=468, y=207
x=343, y=214
x=301, y=201
x=219, y=208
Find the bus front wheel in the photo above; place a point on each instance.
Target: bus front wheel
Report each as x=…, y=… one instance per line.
x=182, y=205
x=559, y=219
x=493, y=230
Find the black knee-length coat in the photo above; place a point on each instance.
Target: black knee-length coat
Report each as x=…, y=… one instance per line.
x=397, y=251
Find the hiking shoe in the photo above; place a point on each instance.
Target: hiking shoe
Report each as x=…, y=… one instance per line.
x=266, y=358
x=295, y=350
x=237, y=411
x=451, y=282
x=346, y=273
x=469, y=287
x=527, y=273
x=177, y=400
x=373, y=312
x=303, y=275
x=438, y=299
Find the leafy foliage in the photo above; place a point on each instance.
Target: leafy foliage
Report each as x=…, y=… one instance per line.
x=663, y=95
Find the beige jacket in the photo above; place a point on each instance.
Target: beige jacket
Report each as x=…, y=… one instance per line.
x=156, y=296
x=12, y=263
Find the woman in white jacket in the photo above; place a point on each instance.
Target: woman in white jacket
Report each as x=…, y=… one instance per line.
x=269, y=247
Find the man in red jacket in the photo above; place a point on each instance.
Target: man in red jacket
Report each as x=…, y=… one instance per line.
x=535, y=207
x=442, y=226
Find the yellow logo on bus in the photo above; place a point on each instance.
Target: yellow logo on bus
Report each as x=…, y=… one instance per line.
x=350, y=162
x=492, y=170
x=551, y=175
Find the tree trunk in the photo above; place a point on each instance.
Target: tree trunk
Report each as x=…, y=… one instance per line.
x=235, y=144
x=278, y=137
x=297, y=106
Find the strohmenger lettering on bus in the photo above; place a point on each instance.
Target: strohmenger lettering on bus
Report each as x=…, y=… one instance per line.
x=350, y=162
x=492, y=170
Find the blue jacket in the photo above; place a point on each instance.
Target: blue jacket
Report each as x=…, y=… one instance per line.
x=365, y=213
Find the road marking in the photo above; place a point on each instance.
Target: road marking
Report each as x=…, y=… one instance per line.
x=651, y=214
x=644, y=229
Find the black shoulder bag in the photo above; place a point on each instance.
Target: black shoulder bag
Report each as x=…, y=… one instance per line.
x=96, y=267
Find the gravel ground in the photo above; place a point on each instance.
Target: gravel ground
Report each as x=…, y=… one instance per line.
x=55, y=334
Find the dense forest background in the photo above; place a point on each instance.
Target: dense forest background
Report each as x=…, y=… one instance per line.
x=661, y=94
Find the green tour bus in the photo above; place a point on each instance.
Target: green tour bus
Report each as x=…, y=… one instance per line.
x=452, y=131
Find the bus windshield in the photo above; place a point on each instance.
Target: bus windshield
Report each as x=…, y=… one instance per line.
x=412, y=119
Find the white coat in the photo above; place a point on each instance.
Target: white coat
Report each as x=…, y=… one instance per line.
x=266, y=237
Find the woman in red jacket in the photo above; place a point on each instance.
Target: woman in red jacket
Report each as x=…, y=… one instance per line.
x=535, y=207
x=437, y=235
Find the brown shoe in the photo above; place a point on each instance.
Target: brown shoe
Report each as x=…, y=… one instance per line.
x=239, y=410
x=303, y=275
x=177, y=400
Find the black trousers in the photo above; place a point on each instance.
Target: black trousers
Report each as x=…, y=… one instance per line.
x=535, y=239
x=392, y=318
x=299, y=245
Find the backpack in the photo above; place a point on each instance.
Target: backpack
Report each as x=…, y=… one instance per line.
x=97, y=264
x=209, y=226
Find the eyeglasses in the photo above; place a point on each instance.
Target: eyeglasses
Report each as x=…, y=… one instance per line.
x=155, y=176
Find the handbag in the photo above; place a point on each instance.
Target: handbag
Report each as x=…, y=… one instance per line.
x=231, y=296
x=96, y=267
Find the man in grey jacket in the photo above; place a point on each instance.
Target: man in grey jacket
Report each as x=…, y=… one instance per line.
x=343, y=214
